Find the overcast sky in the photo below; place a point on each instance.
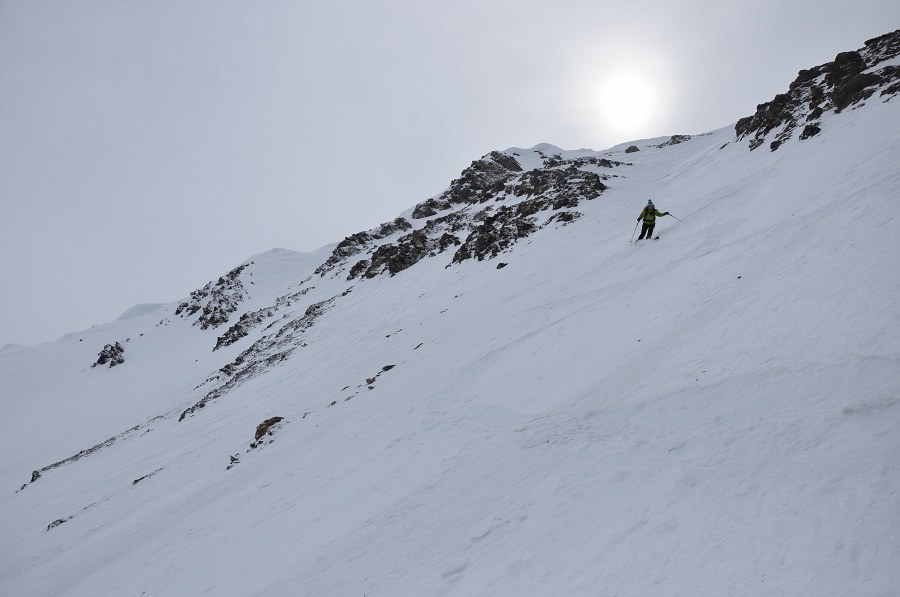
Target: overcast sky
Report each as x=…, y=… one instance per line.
x=147, y=147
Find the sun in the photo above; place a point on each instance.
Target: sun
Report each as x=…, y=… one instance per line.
x=627, y=101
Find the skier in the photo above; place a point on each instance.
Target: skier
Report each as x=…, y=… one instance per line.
x=649, y=216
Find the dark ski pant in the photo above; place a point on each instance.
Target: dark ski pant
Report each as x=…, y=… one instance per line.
x=647, y=230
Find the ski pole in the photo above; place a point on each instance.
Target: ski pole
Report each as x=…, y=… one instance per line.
x=672, y=216
x=635, y=230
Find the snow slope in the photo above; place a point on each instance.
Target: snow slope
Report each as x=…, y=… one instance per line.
x=715, y=413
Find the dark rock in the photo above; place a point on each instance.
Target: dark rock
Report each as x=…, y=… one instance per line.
x=428, y=208
x=264, y=427
x=499, y=266
x=35, y=475
x=810, y=130
x=112, y=354
x=361, y=241
x=392, y=227
x=675, y=140
x=893, y=89
x=632, y=149
x=494, y=234
x=477, y=183
x=358, y=269
x=506, y=161
x=395, y=258
x=147, y=476
x=854, y=90
x=58, y=522
x=448, y=240
x=565, y=217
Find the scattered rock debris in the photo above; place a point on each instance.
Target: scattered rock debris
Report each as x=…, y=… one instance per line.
x=35, y=475
x=266, y=352
x=370, y=381
x=58, y=522
x=261, y=437
x=147, y=476
x=250, y=320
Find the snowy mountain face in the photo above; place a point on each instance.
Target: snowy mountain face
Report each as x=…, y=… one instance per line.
x=496, y=393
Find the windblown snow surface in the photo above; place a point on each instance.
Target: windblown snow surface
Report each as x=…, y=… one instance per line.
x=714, y=413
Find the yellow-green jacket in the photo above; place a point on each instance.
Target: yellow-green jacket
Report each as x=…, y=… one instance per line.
x=649, y=215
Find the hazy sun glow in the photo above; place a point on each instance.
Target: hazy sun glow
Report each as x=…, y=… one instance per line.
x=627, y=101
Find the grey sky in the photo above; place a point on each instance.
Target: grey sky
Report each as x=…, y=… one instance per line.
x=147, y=147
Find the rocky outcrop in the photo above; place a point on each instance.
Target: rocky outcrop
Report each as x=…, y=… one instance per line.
x=361, y=242
x=216, y=301
x=849, y=80
x=497, y=232
x=263, y=436
x=675, y=140
x=112, y=354
x=632, y=149
x=265, y=428
x=559, y=187
x=472, y=224
x=478, y=183
x=396, y=257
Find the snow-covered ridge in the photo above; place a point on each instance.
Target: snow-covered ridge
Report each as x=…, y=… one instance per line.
x=142, y=309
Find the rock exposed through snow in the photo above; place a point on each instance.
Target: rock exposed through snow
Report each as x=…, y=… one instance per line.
x=849, y=80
